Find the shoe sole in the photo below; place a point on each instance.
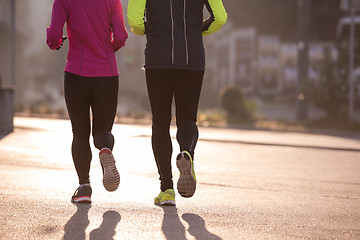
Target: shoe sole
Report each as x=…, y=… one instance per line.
x=84, y=199
x=111, y=178
x=186, y=184
x=167, y=203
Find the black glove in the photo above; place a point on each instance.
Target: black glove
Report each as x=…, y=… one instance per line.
x=63, y=39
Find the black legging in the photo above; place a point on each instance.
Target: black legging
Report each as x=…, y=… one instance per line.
x=163, y=85
x=81, y=94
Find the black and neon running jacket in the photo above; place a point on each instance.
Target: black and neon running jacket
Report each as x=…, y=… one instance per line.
x=174, y=30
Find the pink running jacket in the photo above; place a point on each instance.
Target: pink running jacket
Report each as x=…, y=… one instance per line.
x=95, y=30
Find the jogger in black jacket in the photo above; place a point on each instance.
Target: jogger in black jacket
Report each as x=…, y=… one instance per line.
x=175, y=64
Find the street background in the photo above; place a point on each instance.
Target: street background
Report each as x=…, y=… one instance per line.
x=289, y=61
x=279, y=117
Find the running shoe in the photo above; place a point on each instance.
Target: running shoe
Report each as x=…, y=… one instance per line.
x=82, y=194
x=186, y=184
x=111, y=178
x=166, y=198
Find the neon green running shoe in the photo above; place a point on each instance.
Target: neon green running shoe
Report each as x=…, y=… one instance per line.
x=165, y=198
x=186, y=184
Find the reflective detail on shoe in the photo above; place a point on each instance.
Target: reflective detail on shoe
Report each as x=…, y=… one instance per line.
x=111, y=177
x=166, y=198
x=186, y=184
x=82, y=194
x=84, y=199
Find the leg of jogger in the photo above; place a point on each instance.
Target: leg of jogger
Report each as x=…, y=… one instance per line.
x=160, y=91
x=76, y=91
x=104, y=104
x=187, y=93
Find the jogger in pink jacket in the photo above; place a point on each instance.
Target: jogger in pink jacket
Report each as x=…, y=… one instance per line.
x=96, y=31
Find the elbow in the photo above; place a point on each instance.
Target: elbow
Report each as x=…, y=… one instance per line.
x=222, y=19
x=130, y=20
x=52, y=43
x=216, y=25
x=137, y=26
x=52, y=40
x=120, y=42
x=139, y=30
x=117, y=46
x=124, y=35
x=133, y=22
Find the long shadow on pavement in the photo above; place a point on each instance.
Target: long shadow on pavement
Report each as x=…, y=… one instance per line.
x=174, y=229
x=171, y=225
x=197, y=227
x=77, y=224
x=106, y=231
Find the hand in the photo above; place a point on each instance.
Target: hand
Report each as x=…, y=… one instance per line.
x=62, y=42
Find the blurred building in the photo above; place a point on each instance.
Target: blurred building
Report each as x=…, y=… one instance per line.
x=288, y=72
x=264, y=62
x=279, y=17
x=268, y=65
x=242, y=55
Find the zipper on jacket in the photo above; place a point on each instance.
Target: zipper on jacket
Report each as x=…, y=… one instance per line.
x=172, y=34
x=185, y=35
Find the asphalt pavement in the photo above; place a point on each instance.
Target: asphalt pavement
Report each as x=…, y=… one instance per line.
x=251, y=185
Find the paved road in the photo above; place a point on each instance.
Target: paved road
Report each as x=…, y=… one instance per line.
x=251, y=185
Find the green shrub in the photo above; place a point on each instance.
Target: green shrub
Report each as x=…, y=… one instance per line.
x=235, y=104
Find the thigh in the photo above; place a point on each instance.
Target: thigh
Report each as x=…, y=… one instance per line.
x=187, y=93
x=160, y=91
x=104, y=98
x=77, y=98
